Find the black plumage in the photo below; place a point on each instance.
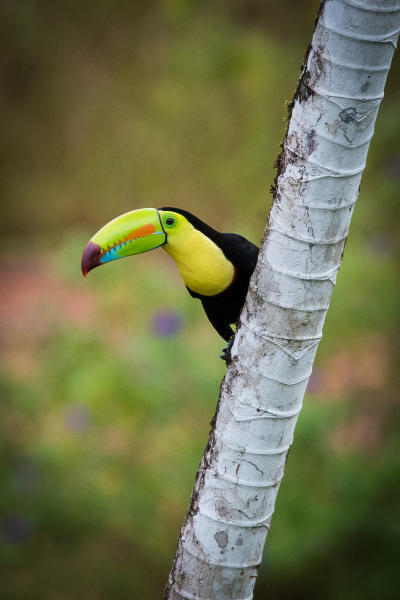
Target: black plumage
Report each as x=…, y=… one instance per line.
x=224, y=309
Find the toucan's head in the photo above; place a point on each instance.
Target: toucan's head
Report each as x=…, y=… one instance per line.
x=136, y=232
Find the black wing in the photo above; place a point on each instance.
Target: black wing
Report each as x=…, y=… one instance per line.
x=242, y=253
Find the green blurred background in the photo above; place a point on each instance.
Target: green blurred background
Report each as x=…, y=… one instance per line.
x=108, y=384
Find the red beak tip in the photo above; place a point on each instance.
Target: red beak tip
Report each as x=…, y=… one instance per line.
x=90, y=258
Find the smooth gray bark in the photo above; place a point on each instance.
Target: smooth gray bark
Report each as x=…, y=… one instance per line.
x=319, y=172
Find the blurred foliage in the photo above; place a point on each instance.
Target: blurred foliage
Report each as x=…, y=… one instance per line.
x=108, y=385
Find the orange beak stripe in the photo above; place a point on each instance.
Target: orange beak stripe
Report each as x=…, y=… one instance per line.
x=141, y=232
x=147, y=229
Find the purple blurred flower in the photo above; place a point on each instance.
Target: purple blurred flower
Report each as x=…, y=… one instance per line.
x=16, y=529
x=78, y=418
x=166, y=323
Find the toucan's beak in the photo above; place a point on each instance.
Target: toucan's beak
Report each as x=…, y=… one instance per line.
x=132, y=233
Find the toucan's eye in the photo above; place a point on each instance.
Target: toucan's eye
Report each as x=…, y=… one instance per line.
x=170, y=221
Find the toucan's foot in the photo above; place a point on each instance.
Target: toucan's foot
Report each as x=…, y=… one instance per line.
x=226, y=352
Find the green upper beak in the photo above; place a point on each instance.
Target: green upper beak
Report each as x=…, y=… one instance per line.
x=132, y=233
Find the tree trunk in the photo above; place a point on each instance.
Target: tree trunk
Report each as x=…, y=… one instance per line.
x=319, y=172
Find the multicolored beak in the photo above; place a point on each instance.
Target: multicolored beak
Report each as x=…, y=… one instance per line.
x=132, y=233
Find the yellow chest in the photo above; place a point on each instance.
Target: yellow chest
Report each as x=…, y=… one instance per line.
x=201, y=263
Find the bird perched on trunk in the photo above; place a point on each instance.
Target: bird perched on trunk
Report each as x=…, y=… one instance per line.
x=215, y=267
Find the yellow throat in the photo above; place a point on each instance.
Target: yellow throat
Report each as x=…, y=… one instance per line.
x=203, y=266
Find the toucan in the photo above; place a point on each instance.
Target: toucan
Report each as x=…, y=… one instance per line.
x=215, y=267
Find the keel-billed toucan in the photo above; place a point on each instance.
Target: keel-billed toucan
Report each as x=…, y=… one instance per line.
x=215, y=267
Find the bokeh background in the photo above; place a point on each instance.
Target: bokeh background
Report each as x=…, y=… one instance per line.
x=108, y=384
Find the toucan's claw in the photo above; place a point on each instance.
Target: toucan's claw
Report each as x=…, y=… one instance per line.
x=226, y=352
